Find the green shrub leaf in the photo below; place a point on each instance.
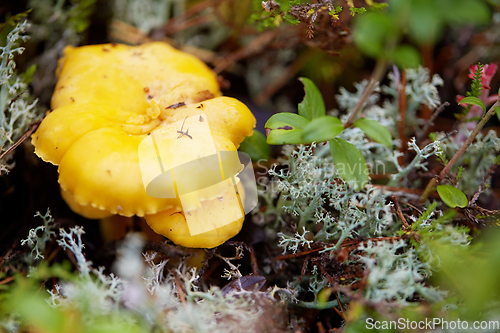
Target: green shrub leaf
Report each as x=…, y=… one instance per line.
x=375, y=130
x=372, y=31
x=256, y=146
x=322, y=129
x=349, y=162
x=285, y=128
x=313, y=105
x=425, y=23
x=286, y=119
x=452, y=196
x=282, y=137
x=406, y=56
x=474, y=101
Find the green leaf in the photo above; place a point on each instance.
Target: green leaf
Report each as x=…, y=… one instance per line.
x=452, y=196
x=497, y=110
x=313, y=105
x=406, y=56
x=349, y=162
x=256, y=146
x=375, y=130
x=425, y=23
x=28, y=75
x=286, y=128
x=461, y=12
x=281, y=137
x=32, y=307
x=322, y=129
x=284, y=119
x=474, y=101
x=372, y=31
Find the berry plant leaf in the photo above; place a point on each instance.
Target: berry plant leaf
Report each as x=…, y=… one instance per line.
x=375, y=131
x=474, y=101
x=283, y=137
x=322, y=129
x=349, y=163
x=313, y=105
x=285, y=128
x=452, y=196
x=285, y=119
x=256, y=146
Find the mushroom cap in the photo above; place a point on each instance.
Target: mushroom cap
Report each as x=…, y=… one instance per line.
x=108, y=99
x=172, y=224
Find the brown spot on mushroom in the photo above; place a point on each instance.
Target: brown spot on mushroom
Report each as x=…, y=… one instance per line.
x=57, y=147
x=204, y=95
x=72, y=99
x=199, y=106
x=150, y=96
x=176, y=105
x=113, y=44
x=105, y=49
x=286, y=128
x=177, y=213
x=109, y=172
x=170, y=229
x=146, y=89
x=201, y=119
x=189, y=213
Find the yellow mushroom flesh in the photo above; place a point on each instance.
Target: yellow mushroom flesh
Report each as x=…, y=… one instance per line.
x=109, y=98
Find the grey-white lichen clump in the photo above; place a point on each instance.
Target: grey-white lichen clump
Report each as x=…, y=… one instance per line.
x=308, y=186
x=17, y=107
x=144, y=292
x=395, y=273
x=37, y=242
x=477, y=159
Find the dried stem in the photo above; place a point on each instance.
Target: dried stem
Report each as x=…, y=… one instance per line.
x=437, y=179
x=430, y=123
x=32, y=127
x=376, y=77
x=402, y=115
x=406, y=226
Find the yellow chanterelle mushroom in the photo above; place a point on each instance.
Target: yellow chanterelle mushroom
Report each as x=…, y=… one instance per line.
x=112, y=98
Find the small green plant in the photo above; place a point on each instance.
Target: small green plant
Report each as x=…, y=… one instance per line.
x=313, y=125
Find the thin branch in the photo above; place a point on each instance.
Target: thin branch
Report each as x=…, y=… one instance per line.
x=483, y=186
x=376, y=77
x=406, y=226
x=430, y=123
x=32, y=127
x=7, y=280
x=402, y=116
